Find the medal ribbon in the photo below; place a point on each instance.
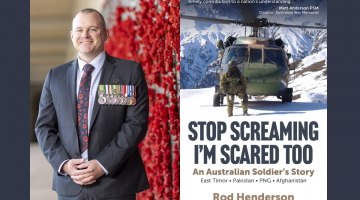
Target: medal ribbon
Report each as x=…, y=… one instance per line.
x=101, y=87
x=117, y=88
x=113, y=88
x=107, y=89
x=126, y=91
x=132, y=90
x=129, y=90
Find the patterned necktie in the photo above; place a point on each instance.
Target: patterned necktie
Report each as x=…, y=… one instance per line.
x=82, y=107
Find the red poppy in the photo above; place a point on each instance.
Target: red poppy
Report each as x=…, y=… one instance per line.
x=87, y=104
x=78, y=106
x=78, y=118
x=81, y=101
x=85, y=115
x=85, y=138
x=80, y=97
x=165, y=64
x=84, y=126
x=84, y=75
x=88, y=94
x=89, y=82
x=81, y=84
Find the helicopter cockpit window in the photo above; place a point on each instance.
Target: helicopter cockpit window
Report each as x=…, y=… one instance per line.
x=223, y=63
x=239, y=55
x=273, y=56
x=256, y=55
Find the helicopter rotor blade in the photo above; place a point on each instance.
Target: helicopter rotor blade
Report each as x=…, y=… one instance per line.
x=297, y=26
x=211, y=20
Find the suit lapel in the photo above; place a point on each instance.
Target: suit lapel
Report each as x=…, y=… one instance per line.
x=106, y=72
x=71, y=85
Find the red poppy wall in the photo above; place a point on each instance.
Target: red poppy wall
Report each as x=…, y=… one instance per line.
x=153, y=39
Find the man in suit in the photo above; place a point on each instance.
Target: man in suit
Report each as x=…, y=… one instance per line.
x=93, y=148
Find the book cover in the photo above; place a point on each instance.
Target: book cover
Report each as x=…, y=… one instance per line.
x=278, y=151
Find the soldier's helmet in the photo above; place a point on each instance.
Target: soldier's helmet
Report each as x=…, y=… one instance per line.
x=231, y=64
x=220, y=44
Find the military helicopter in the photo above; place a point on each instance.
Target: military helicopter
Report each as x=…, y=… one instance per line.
x=263, y=61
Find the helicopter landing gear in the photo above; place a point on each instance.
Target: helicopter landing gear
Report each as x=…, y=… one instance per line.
x=287, y=96
x=216, y=100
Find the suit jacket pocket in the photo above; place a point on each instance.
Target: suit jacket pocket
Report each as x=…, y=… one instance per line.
x=65, y=186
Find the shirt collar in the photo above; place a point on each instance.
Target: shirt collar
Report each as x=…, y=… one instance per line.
x=96, y=62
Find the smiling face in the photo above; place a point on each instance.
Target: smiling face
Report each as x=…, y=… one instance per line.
x=88, y=35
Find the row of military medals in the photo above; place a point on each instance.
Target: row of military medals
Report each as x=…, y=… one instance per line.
x=117, y=95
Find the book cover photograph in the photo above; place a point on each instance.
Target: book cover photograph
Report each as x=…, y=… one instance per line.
x=253, y=88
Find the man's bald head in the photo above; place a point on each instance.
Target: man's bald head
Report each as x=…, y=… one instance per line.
x=90, y=10
x=89, y=34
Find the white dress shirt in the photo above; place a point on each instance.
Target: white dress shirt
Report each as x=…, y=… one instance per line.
x=97, y=63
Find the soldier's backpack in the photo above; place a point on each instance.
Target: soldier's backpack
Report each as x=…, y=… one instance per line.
x=235, y=80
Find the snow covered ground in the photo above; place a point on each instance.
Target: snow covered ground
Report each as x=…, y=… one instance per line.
x=199, y=102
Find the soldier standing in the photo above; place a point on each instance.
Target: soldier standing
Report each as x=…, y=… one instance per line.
x=220, y=46
x=234, y=83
